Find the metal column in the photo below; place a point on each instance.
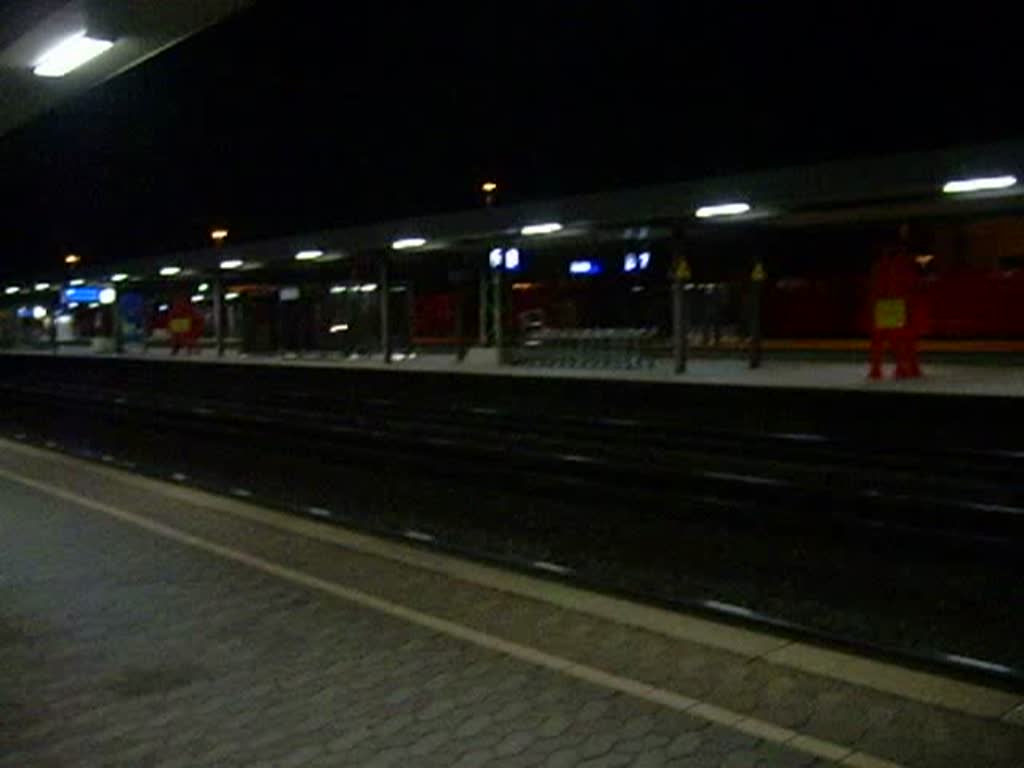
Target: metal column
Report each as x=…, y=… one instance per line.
x=218, y=315
x=496, y=301
x=385, y=319
x=680, y=314
x=756, y=281
x=484, y=312
x=680, y=326
x=118, y=329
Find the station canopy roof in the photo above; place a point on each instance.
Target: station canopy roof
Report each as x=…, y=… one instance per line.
x=889, y=188
x=135, y=30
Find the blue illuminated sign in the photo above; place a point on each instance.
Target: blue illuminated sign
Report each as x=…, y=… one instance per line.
x=84, y=294
x=508, y=259
x=584, y=267
x=636, y=262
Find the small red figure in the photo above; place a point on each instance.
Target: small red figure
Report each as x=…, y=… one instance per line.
x=185, y=325
x=893, y=310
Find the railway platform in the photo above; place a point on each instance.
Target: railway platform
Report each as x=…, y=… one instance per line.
x=149, y=624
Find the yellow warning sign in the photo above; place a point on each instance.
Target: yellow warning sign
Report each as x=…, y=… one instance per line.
x=758, y=274
x=890, y=314
x=682, y=271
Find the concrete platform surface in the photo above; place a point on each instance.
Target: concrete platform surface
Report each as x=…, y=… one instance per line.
x=144, y=624
x=945, y=378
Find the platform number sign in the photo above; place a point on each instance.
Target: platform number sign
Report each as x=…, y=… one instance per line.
x=636, y=262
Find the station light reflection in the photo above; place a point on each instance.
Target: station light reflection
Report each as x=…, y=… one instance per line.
x=980, y=184
x=70, y=54
x=408, y=242
x=722, y=209
x=547, y=228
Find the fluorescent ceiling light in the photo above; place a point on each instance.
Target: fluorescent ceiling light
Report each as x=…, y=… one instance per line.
x=231, y=264
x=978, y=185
x=723, y=209
x=120, y=277
x=546, y=228
x=231, y=295
x=76, y=282
x=108, y=296
x=197, y=298
x=69, y=54
x=408, y=242
x=310, y=255
x=170, y=271
x=42, y=286
x=11, y=290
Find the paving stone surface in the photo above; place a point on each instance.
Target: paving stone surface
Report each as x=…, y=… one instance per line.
x=119, y=647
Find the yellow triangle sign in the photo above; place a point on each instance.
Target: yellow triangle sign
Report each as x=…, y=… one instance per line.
x=682, y=270
x=758, y=274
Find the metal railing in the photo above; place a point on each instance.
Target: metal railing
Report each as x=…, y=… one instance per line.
x=622, y=348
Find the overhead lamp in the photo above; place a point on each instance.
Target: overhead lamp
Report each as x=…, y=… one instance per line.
x=11, y=290
x=170, y=271
x=546, y=228
x=71, y=259
x=339, y=328
x=310, y=255
x=980, y=184
x=336, y=289
x=204, y=287
x=69, y=54
x=76, y=282
x=722, y=209
x=217, y=235
x=120, y=277
x=38, y=312
x=42, y=286
x=408, y=242
x=231, y=295
x=231, y=264
x=368, y=287
x=108, y=296
x=196, y=298
x=489, y=186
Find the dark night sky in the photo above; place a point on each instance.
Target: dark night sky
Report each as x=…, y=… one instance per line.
x=294, y=116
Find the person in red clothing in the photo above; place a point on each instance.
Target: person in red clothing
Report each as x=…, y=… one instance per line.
x=894, y=315
x=185, y=325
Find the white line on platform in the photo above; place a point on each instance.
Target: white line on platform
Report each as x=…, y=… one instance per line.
x=911, y=684
x=669, y=699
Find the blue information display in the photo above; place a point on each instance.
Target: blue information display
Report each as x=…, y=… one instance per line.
x=83, y=294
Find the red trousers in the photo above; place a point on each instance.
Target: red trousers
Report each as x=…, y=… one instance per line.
x=903, y=344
